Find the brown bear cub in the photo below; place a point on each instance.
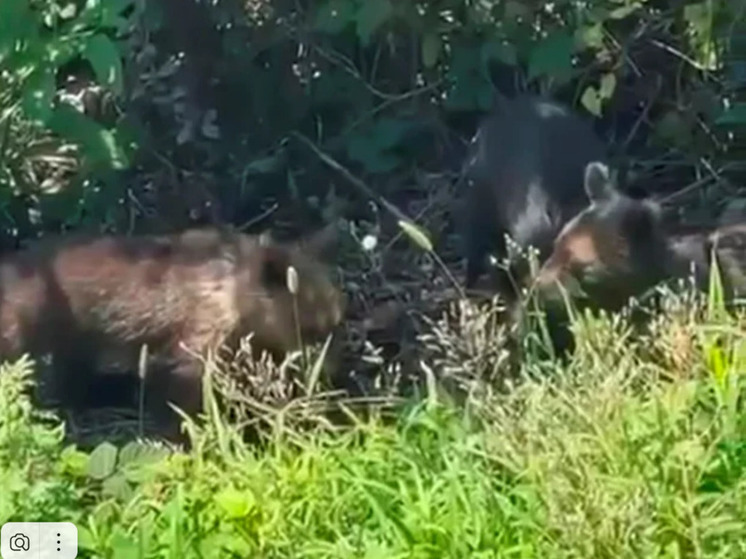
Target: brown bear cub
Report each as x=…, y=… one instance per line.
x=525, y=174
x=618, y=247
x=91, y=303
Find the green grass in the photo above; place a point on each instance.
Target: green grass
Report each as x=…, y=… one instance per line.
x=634, y=449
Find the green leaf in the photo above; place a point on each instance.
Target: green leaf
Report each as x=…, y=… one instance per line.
x=106, y=14
x=235, y=504
x=607, y=87
x=17, y=24
x=73, y=462
x=138, y=453
x=98, y=144
x=371, y=15
x=106, y=62
x=389, y=132
x=111, y=11
x=221, y=545
x=102, y=461
x=623, y=11
x=365, y=151
x=62, y=49
x=591, y=36
x=499, y=50
x=38, y=94
x=591, y=100
x=68, y=11
x=417, y=234
x=117, y=487
x=333, y=16
x=735, y=114
x=123, y=545
x=469, y=93
x=552, y=56
x=263, y=166
x=431, y=45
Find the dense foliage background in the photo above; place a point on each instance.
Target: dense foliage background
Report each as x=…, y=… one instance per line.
x=131, y=114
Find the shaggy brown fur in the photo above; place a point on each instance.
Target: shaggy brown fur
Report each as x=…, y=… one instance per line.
x=92, y=302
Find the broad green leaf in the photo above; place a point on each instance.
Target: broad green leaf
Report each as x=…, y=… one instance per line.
x=263, y=166
x=38, y=94
x=17, y=23
x=235, y=504
x=106, y=62
x=103, y=459
x=591, y=100
x=389, y=132
x=499, y=50
x=371, y=15
x=607, y=86
x=699, y=16
x=468, y=93
x=552, y=56
x=431, y=45
x=469, y=88
x=220, y=545
x=139, y=453
x=735, y=114
x=623, y=11
x=73, y=462
x=68, y=11
x=363, y=150
x=111, y=11
x=334, y=15
x=62, y=49
x=107, y=14
x=117, y=487
x=98, y=144
x=123, y=545
x=591, y=36
x=417, y=234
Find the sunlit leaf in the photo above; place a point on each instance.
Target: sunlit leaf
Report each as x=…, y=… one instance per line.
x=106, y=62
x=591, y=100
x=99, y=144
x=607, y=87
x=38, y=94
x=102, y=461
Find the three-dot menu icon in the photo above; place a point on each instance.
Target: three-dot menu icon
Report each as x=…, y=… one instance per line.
x=39, y=540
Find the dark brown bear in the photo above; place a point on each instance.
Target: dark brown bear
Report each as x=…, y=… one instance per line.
x=92, y=302
x=525, y=174
x=618, y=247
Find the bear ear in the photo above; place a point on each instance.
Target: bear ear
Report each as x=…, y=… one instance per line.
x=274, y=263
x=322, y=244
x=598, y=183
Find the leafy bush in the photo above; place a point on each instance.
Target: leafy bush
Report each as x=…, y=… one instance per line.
x=46, y=138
